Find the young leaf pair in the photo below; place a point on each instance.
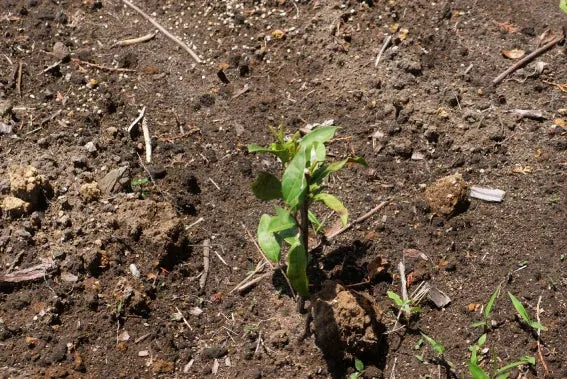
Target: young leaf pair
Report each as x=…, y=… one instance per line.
x=305, y=169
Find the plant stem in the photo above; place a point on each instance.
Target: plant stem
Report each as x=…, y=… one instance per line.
x=304, y=230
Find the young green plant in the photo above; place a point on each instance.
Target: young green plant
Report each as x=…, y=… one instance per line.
x=524, y=315
x=359, y=367
x=305, y=167
x=485, y=323
x=478, y=372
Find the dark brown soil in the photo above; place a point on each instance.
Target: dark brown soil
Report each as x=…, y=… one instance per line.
x=123, y=256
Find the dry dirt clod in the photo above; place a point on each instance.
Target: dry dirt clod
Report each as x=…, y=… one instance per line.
x=346, y=324
x=90, y=192
x=445, y=195
x=15, y=207
x=28, y=185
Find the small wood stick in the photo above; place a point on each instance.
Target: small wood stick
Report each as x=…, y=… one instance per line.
x=358, y=220
x=147, y=140
x=137, y=120
x=164, y=31
x=100, y=67
x=184, y=319
x=206, y=259
x=384, y=47
x=544, y=364
x=528, y=58
x=19, y=80
x=133, y=41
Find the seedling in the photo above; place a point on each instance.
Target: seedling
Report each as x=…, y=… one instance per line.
x=359, y=367
x=439, y=350
x=478, y=372
x=485, y=323
x=523, y=313
x=404, y=306
x=563, y=5
x=305, y=169
x=139, y=185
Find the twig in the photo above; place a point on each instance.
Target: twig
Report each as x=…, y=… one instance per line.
x=164, y=31
x=137, y=120
x=51, y=117
x=215, y=184
x=133, y=41
x=221, y=258
x=50, y=67
x=402, y=271
x=528, y=58
x=201, y=219
x=147, y=140
x=19, y=79
x=101, y=67
x=358, y=220
x=16, y=261
x=393, y=372
x=384, y=47
x=259, y=267
x=184, y=319
x=142, y=337
x=544, y=364
x=206, y=250
x=258, y=343
x=252, y=282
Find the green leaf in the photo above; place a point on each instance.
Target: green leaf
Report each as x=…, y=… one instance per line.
x=313, y=219
x=282, y=221
x=321, y=135
x=361, y=161
x=358, y=365
x=267, y=187
x=254, y=148
x=318, y=153
x=397, y=299
x=354, y=375
x=523, y=360
x=139, y=182
x=294, y=183
x=268, y=242
x=324, y=171
x=490, y=303
x=440, y=349
x=478, y=323
x=482, y=340
x=524, y=313
x=297, y=268
x=477, y=372
x=563, y=5
x=335, y=204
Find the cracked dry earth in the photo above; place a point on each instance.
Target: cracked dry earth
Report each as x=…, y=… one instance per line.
x=102, y=252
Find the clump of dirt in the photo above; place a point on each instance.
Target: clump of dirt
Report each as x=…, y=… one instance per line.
x=346, y=324
x=28, y=185
x=446, y=195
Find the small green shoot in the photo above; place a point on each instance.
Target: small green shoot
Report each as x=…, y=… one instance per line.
x=523, y=313
x=359, y=367
x=139, y=182
x=485, y=323
x=563, y=5
x=404, y=306
x=478, y=372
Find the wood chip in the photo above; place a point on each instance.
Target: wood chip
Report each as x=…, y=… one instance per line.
x=487, y=194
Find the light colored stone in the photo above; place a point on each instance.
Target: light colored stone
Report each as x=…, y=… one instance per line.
x=15, y=207
x=28, y=185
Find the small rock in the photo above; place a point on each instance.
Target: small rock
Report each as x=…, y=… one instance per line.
x=90, y=147
x=90, y=192
x=79, y=161
x=207, y=100
x=112, y=131
x=15, y=207
x=111, y=182
x=214, y=352
x=5, y=107
x=279, y=339
x=371, y=372
x=446, y=194
x=401, y=147
x=162, y=367
x=59, y=353
x=6, y=128
x=43, y=143
x=60, y=51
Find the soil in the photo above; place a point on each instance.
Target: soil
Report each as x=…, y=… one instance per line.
x=101, y=252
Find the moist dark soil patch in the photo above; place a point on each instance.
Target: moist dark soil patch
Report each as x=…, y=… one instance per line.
x=120, y=260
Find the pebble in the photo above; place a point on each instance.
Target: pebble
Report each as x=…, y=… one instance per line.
x=214, y=352
x=5, y=107
x=60, y=51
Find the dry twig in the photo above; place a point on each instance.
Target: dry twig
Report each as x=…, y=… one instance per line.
x=19, y=79
x=133, y=41
x=384, y=47
x=147, y=140
x=164, y=31
x=99, y=66
x=358, y=220
x=206, y=260
x=528, y=58
x=539, y=345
